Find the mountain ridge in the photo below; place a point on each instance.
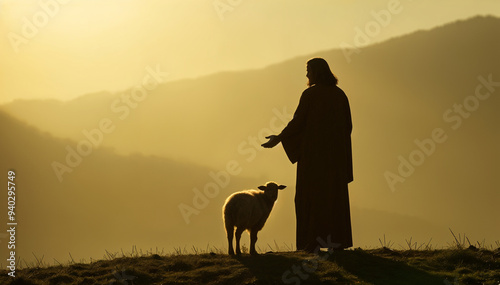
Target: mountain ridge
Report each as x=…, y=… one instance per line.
x=483, y=18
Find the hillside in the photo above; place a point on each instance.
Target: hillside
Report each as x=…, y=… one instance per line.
x=114, y=202
x=378, y=266
x=108, y=201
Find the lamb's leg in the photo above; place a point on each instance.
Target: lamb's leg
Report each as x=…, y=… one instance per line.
x=239, y=231
x=253, y=240
x=230, y=233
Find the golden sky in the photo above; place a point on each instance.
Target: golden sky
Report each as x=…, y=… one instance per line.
x=63, y=49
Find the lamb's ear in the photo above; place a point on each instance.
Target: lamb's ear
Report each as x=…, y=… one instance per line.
x=281, y=187
x=262, y=187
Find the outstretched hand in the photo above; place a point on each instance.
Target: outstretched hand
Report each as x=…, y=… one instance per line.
x=273, y=141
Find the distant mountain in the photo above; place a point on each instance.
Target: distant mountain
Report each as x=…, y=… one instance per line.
x=113, y=202
x=108, y=201
x=401, y=92
x=392, y=79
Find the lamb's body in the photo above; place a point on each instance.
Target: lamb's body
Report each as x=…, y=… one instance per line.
x=248, y=210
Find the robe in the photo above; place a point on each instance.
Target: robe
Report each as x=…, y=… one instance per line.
x=318, y=138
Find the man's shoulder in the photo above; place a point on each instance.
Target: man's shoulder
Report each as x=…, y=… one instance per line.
x=323, y=89
x=311, y=90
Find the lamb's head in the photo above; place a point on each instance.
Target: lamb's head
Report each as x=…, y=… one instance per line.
x=271, y=189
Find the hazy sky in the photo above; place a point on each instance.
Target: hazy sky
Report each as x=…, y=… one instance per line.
x=63, y=49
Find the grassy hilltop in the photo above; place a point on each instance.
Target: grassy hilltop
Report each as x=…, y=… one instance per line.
x=375, y=266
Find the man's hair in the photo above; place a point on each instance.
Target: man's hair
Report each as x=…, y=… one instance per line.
x=320, y=73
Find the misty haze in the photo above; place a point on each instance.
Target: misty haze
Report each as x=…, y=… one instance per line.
x=147, y=161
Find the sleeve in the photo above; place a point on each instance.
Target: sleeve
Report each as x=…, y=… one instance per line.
x=348, y=147
x=298, y=122
x=348, y=116
x=292, y=134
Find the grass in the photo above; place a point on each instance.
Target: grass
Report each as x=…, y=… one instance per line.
x=460, y=263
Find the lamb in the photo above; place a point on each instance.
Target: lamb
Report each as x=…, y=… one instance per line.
x=248, y=210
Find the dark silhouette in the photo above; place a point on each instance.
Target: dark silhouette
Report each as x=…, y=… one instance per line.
x=319, y=139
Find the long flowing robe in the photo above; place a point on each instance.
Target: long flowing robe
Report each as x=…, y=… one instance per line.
x=319, y=139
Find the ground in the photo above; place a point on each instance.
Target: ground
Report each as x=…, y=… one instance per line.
x=357, y=266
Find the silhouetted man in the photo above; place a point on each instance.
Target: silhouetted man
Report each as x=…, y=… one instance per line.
x=319, y=139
